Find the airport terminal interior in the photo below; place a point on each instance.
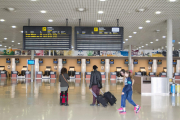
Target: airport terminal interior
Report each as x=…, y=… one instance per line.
x=39, y=38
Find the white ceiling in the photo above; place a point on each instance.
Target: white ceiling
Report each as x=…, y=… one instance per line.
x=124, y=10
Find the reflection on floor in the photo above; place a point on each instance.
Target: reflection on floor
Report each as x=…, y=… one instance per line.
x=24, y=100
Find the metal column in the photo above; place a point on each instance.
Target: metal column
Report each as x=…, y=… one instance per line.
x=32, y=66
x=129, y=57
x=169, y=49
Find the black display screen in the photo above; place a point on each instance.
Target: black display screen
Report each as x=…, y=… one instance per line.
x=99, y=38
x=135, y=61
x=87, y=61
x=159, y=62
x=126, y=61
x=102, y=61
x=17, y=60
x=47, y=37
x=78, y=61
x=55, y=61
x=64, y=61
x=150, y=62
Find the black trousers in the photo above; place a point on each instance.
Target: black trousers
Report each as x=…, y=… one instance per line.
x=62, y=92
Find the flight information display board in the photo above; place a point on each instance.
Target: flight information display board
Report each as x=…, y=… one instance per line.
x=99, y=38
x=47, y=37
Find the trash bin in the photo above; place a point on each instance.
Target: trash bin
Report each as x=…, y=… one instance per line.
x=173, y=89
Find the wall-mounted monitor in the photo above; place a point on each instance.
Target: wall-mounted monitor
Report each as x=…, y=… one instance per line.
x=159, y=62
x=111, y=61
x=8, y=60
x=55, y=61
x=126, y=61
x=150, y=62
x=64, y=61
x=102, y=61
x=16, y=60
x=135, y=61
x=40, y=60
x=174, y=62
x=31, y=62
x=78, y=61
x=87, y=61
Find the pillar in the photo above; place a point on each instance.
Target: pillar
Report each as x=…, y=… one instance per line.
x=169, y=49
x=154, y=65
x=32, y=66
x=60, y=65
x=107, y=67
x=36, y=66
x=129, y=58
x=13, y=64
x=83, y=67
x=178, y=66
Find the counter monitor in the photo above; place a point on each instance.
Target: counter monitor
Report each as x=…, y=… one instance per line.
x=102, y=61
x=99, y=38
x=159, y=62
x=174, y=62
x=64, y=61
x=78, y=61
x=16, y=60
x=87, y=61
x=55, y=61
x=40, y=60
x=8, y=60
x=150, y=62
x=135, y=61
x=111, y=61
x=47, y=37
x=31, y=62
x=126, y=61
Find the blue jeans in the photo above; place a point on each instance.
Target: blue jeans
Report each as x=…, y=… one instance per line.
x=127, y=96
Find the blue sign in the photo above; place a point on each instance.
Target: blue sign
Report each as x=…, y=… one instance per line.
x=173, y=41
x=31, y=62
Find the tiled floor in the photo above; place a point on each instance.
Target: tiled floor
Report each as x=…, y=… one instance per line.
x=40, y=101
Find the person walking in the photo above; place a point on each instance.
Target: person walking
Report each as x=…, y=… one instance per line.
x=95, y=84
x=64, y=85
x=127, y=91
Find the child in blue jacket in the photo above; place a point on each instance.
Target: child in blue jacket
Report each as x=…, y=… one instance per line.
x=127, y=91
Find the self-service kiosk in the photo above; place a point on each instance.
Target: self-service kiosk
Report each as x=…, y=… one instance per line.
x=3, y=72
x=116, y=75
x=142, y=72
x=164, y=73
x=152, y=74
x=71, y=72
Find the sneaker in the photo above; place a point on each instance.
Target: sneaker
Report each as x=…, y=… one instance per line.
x=120, y=109
x=135, y=108
x=92, y=104
x=122, y=112
x=98, y=104
x=138, y=109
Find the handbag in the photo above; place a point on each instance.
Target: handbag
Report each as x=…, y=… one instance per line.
x=99, y=84
x=65, y=80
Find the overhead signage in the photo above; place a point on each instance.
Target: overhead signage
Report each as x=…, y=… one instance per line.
x=40, y=60
x=159, y=62
x=78, y=61
x=16, y=60
x=174, y=62
x=64, y=61
x=47, y=37
x=102, y=61
x=87, y=61
x=150, y=62
x=55, y=61
x=99, y=38
x=111, y=61
x=126, y=61
x=135, y=61
x=8, y=60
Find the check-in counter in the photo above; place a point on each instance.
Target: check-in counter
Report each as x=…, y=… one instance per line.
x=152, y=74
x=177, y=78
x=78, y=75
x=28, y=75
x=3, y=74
x=163, y=74
x=112, y=75
x=103, y=75
x=14, y=74
x=151, y=85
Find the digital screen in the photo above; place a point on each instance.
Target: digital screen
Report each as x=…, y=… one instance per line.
x=135, y=61
x=150, y=62
x=55, y=61
x=17, y=60
x=111, y=61
x=99, y=38
x=47, y=37
x=102, y=61
x=87, y=61
x=8, y=60
x=64, y=61
x=159, y=62
x=31, y=62
x=126, y=61
x=174, y=62
x=78, y=61
x=40, y=60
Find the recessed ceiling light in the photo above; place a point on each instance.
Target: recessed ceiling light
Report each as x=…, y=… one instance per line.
x=157, y=39
x=140, y=27
x=12, y=41
x=99, y=20
x=158, y=12
x=33, y=0
x=13, y=26
x=81, y=9
x=9, y=47
x=134, y=32
x=146, y=44
x=102, y=0
x=50, y=20
x=178, y=42
x=2, y=20
x=157, y=30
x=21, y=31
x=43, y=11
x=139, y=47
x=172, y=0
x=142, y=46
x=123, y=42
x=0, y=45
x=11, y=9
x=5, y=46
x=126, y=39
x=5, y=38
x=165, y=46
x=151, y=42
x=100, y=12
x=148, y=21
x=19, y=43
x=163, y=36
x=130, y=36
x=140, y=10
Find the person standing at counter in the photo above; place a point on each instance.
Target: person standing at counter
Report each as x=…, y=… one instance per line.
x=127, y=91
x=64, y=85
x=95, y=84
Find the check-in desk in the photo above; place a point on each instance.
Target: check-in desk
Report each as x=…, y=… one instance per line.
x=151, y=85
x=3, y=74
x=163, y=74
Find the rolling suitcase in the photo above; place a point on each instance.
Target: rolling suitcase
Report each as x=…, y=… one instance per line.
x=101, y=99
x=110, y=97
x=63, y=99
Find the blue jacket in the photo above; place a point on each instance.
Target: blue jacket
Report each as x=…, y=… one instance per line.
x=128, y=85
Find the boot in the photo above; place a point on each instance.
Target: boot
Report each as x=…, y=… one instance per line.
x=66, y=103
x=61, y=100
